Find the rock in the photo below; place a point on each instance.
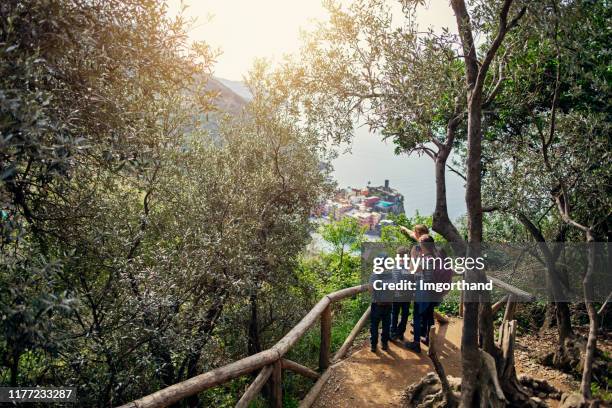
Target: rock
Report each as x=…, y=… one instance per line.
x=546, y=359
x=454, y=382
x=427, y=393
x=542, y=395
x=535, y=402
x=574, y=400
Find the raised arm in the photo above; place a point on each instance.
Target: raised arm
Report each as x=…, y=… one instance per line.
x=408, y=232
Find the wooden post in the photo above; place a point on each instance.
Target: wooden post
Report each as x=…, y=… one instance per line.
x=255, y=387
x=314, y=392
x=351, y=337
x=324, y=352
x=508, y=316
x=498, y=305
x=440, y=318
x=510, y=308
x=276, y=385
x=300, y=369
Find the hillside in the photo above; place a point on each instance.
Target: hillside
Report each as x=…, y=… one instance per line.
x=227, y=100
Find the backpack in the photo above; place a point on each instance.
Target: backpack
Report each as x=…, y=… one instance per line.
x=443, y=275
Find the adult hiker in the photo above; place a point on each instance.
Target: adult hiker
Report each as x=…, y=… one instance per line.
x=416, y=232
x=425, y=300
x=380, y=308
x=402, y=299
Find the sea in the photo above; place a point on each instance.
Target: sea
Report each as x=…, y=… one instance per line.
x=370, y=159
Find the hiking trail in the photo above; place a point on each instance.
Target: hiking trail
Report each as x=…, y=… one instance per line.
x=366, y=379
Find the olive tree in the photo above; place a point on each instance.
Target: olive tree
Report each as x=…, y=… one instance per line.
x=548, y=145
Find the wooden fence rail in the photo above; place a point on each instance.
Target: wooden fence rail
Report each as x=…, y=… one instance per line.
x=272, y=361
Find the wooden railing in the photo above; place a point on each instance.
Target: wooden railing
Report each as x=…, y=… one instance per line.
x=272, y=361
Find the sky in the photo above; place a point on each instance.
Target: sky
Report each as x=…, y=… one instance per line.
x=244, y=30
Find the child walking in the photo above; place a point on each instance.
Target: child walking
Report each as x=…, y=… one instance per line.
x=401, y=303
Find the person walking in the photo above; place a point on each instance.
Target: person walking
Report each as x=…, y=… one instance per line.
x=380, y=308
x=401, y=303
x=425, y=300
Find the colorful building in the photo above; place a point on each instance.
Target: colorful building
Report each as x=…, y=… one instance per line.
x=370, y=206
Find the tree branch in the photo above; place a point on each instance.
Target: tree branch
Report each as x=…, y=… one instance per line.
x=504, y=27
x=457, y=172
x=467, y=40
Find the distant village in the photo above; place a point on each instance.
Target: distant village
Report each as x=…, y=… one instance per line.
x=370, y=206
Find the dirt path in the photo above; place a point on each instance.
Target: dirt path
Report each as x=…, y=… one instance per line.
x=367, y=379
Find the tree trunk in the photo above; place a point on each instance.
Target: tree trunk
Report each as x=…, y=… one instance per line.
x=163, y=360
x=557, y=282
x=485, y=328
x=16, y=355
x=204, y=332
x=473, y=197
x=563, y=314
x=507, y=372
x=550, y=317
x=441, y=222
x=475, y=77
x=254, y=343
x=470, y=357
x=564, y=322
x=587, y=372
x=469, y=341
x=558, y=314
x=449, y=396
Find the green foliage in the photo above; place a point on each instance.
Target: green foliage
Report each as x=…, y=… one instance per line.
x=93, y=96
x=137, y=250
x=134, y=244
x=343, y=234
x=314, y=274
x=346, y=236
x=548, y=130
x=599, y=392
x=449, y=307
x=392, y=234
